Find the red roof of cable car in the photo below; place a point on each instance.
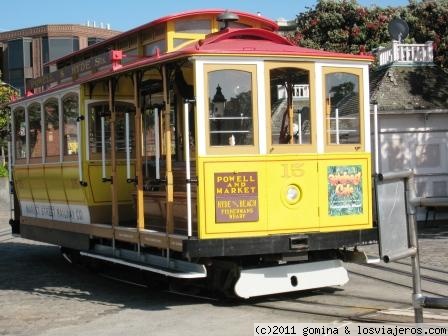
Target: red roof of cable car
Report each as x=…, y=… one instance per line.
x=238, y=42
x=260, y=42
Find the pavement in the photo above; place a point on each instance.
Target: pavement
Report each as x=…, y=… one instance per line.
x=42, y=294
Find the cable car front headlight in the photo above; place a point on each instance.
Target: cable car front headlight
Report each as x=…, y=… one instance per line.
x=293, y=194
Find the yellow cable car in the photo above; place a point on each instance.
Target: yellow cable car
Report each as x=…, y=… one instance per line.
x=200, y=145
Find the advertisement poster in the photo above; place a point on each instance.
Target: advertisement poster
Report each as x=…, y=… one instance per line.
x=236, y=197
x=344, y=190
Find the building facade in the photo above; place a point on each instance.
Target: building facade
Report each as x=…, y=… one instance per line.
x=412, y=97
x=27, y=53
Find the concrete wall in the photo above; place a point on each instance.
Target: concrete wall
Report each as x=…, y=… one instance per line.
x=4, y=193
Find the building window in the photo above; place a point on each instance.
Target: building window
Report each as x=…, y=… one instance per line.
x=27, y=53
x=17, y=57
x=20, y=133
x=57, y=47
x=230, y=103
x=51, y=116
x=342, y=108
x=35, y=130
x=93, y=40
x=70, y=115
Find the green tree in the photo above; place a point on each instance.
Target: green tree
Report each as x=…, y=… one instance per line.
x=7, y=94
x=345, y=26
x=428, y=22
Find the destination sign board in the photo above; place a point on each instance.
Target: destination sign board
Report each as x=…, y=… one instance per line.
x=236, y=197
x=71, y=71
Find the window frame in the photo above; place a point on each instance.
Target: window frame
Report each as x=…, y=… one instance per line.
x=240, y=149
x=69, y=157
x=51, y=158
x=40, y=158
x=22, y=160
x=291, y=148
x=356, y=147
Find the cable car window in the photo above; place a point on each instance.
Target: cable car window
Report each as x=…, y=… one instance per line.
x=198, y=26
x=342, y=108
x=150, y=49
x=70, y=113
x=35, y=130
x=51, y=128
x=20, y=133
x=290, y=105
x=230, y=108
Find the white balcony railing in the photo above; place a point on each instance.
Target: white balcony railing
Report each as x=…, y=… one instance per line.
x=406, y=53
x=301, y=91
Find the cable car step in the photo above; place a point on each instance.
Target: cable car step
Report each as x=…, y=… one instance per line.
x=290, y=278
x=152, y=263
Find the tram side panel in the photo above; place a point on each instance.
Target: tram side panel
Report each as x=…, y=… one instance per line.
x=55, y=188
x=345, y=199
x=23, y=191
x=261, y=196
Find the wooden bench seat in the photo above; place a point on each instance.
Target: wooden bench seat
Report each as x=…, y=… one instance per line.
x=154, y=196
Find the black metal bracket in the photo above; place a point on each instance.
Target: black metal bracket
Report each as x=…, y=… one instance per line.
x=80, y=118
x=192, y=180
x=133, y=180
x=83, y=183
x=105, y=179
x=161, y=106
x=190, y=101
x=105, y=114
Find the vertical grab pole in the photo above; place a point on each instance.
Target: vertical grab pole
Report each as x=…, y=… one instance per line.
x=128, y=148
x=157, y=141
x=145, y=143
x=417, y=295
x=376, y=138
x=103, y=148
x=337, y=125
x=300, y=128
x=187, y=166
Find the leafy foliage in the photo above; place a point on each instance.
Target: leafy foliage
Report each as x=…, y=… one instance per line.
x=7, y=94
x=345, y=26
x=3, y=171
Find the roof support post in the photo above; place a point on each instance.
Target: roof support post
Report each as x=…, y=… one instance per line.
x=169, y=169
x=113, y=173
x=138, y=152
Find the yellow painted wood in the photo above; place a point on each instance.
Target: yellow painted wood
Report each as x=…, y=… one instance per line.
x=76, y=194
x=299, y=174
x=231, y=150
x=138, y=155
x=307, y=173
x=54, y=183
x=37, y=183
x=292, y=148
x=360, y=147
x=168, y=161
x=21, y=183
x=113, y=174
x=341, y=189
x=209, y=226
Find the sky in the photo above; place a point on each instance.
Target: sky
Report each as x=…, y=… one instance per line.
x=123, y=15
